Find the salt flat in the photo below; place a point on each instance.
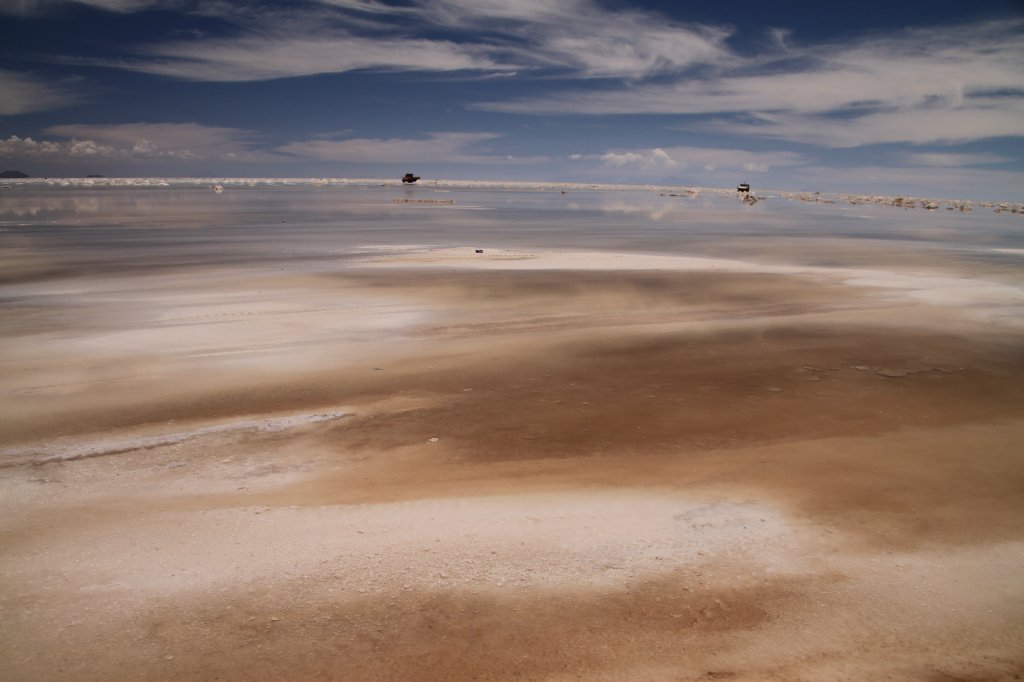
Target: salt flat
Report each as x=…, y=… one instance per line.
x=307, y=432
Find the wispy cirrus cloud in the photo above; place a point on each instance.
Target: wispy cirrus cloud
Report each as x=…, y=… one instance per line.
x=28, y=7
x=260, y=57
x=947, y=84
x=22, y=93
x=583, y=37
x=952, y=159
x=576, y=38
x=978, y=118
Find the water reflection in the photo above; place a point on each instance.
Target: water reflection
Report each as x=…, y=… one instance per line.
x=136, y=227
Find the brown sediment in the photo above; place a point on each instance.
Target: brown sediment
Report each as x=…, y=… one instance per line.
x=555, y=475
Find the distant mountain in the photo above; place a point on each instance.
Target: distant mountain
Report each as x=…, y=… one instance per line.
x=14, y=174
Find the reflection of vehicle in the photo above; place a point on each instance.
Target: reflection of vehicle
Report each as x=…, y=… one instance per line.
x=743, y=187
x=410, y=178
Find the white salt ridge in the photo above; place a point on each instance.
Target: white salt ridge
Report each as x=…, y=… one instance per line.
x=78, y=450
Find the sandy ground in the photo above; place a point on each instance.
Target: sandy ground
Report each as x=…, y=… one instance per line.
x=433, y=464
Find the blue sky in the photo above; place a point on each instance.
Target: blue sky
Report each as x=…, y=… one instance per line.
x=923, y=98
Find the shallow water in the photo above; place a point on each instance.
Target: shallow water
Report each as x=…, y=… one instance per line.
x=114, y=228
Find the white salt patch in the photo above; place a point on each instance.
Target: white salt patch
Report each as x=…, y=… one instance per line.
x=944, y=291
x=978, y=296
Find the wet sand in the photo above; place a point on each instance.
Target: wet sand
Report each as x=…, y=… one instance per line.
x=547, y=464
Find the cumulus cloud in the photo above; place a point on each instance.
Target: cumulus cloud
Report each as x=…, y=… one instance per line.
x=22, y=93
x=628, y=158
x=654, y=158
x=133, y=140
x=16, y=147
x=708, y=159
x=27, y=147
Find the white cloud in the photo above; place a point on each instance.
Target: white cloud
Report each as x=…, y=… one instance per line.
x=923, y=85
x=709, y=159
x=920, y=67
x=16, y=147
x=654, y=158
x=164, y=136
x=628, y=158
x=283, y=56
x=584, y=37
x=27, y=147
x=191, y=141
x=91, y=148
x=27, y=7
x=660, y=156
x=578, y=37
x=22, y=94
x=134, y=140
x=984, y=118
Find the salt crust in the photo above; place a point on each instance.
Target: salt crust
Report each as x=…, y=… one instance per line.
x=582, y=539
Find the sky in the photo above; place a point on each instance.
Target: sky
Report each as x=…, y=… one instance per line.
x=916, y=98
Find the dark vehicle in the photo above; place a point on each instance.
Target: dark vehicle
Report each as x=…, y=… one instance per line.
x=410, y=178
x=743, y=187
